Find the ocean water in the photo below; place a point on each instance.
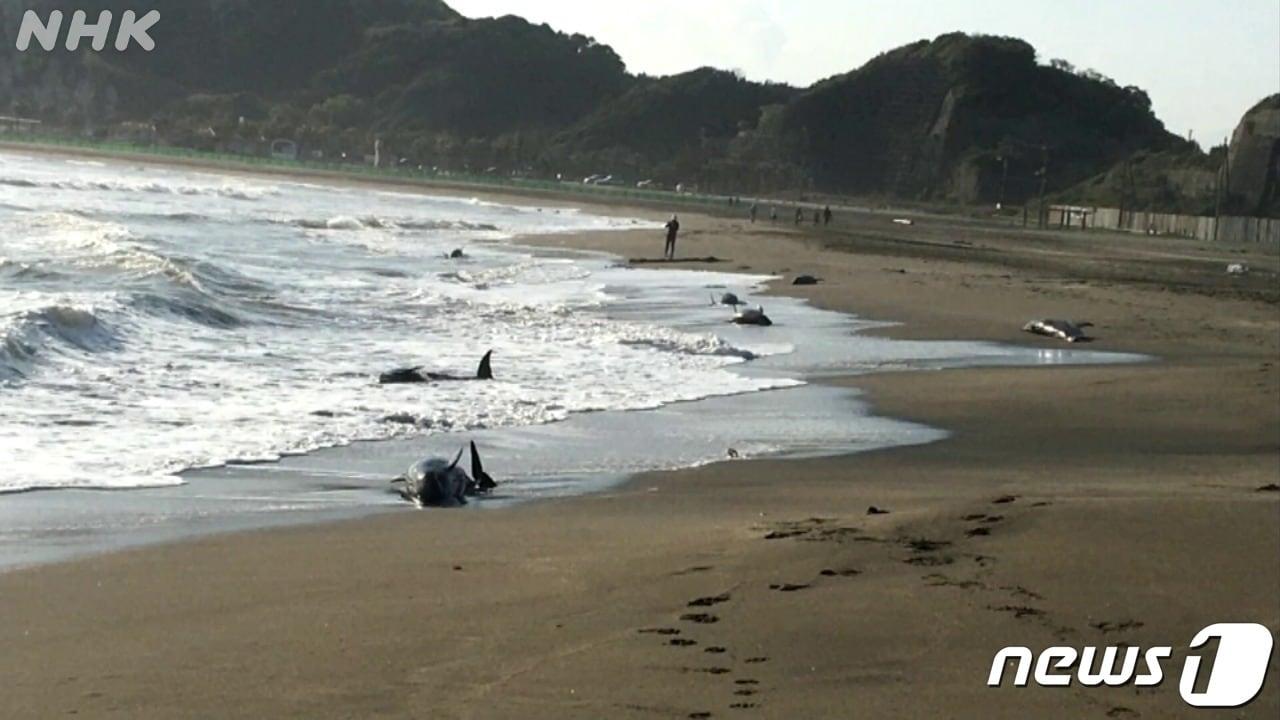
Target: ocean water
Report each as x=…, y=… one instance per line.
x=154, y=322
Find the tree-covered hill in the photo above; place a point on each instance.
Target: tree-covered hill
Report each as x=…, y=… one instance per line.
x=959, y=118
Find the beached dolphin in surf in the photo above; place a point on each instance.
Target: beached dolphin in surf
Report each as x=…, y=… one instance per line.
x=436, y=482
x=752, y=316
x=727, y=299
x=1061, y=329
x=416, y=375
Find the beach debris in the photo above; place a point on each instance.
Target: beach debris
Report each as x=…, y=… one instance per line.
x=437, y=482
x=873, y=510
x=806, y=280
x=404, y=376
x=1061, y=329
x=904, y=221
x=752, y=316
x=734, y=454
x=1237, y=269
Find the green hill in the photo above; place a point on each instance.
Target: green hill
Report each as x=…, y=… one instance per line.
x=959, y=118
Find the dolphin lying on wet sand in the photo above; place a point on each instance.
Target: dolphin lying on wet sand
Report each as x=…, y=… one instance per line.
x=1061, y=329
x=727, y=299
x=752, y=316
x=436, y=482
x=416, y=375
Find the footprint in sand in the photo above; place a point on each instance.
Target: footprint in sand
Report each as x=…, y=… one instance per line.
x=709, y=601
x=1019, y=611
x=702, y=618
x=848, y=572
x=979, y=532
x=745, y=692
x=715, y=650
x=1004, y=500
x=692, y=570
x=755, y=660
x=746, y=681
x=683, y=642
x=699, y=715
x=787, y=587
x=1122, y=712
x=743, y=706
x=659, y=631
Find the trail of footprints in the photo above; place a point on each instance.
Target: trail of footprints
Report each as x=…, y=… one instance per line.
x=745, y=693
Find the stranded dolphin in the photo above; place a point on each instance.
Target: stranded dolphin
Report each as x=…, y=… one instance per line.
x=1061, y=329
x=752, y=316
x=437, y=482
x=727, y=299
x=416, y=375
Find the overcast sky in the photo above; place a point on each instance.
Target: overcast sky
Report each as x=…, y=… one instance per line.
x=1204, y=62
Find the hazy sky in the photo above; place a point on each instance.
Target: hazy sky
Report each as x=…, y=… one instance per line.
x=1204, y=62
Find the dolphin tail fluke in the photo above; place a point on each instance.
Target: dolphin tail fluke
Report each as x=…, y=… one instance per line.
x=485, y=372
x=483, y=482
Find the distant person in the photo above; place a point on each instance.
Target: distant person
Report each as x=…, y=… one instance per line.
x=817, y=217
x=752, y=212
x=799, y=215
x=826, y=215
x=673, y=229
x=773, y=214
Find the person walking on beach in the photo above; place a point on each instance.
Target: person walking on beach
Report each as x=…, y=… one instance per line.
x=826, y=215
x=799, y=216
x=673, y=229
x=753, y=213
x=817, y=217
x=773, y=214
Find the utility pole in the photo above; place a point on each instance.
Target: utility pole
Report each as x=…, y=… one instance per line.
x=1223, y=186
x=1044, y=181
x=1004, y=176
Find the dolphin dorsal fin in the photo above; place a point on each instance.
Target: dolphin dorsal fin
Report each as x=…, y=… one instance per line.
x=454, y=464
x=477, y=470
x=485, y=372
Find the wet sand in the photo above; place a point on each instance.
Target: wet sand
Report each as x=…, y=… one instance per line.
x=1077, y=506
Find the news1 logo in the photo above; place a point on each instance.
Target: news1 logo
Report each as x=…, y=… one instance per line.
x=131, y=29
x=1238, y=672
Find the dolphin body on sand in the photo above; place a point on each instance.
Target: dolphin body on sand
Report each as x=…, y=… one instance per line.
x=416, y=375
x=727, y=299
x=1061, y=329
x=752, y=316
x=436, y=482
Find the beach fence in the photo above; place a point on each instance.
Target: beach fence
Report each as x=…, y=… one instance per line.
x=1227, y=228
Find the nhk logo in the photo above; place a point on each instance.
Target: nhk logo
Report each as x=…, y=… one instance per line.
x=1238, y=669
x=132, y=29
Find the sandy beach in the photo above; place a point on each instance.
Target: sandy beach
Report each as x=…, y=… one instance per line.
x=1072, y=506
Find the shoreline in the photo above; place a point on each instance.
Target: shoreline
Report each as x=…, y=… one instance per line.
x=1162, y=461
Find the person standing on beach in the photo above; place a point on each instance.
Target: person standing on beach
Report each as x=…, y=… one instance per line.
x=753, y=213
x=826, y=215
x=673, y=229
x=773, y=214
x=817, y=217
x=799, y=216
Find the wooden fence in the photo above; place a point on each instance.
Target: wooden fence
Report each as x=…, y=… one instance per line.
x=1228, y=228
